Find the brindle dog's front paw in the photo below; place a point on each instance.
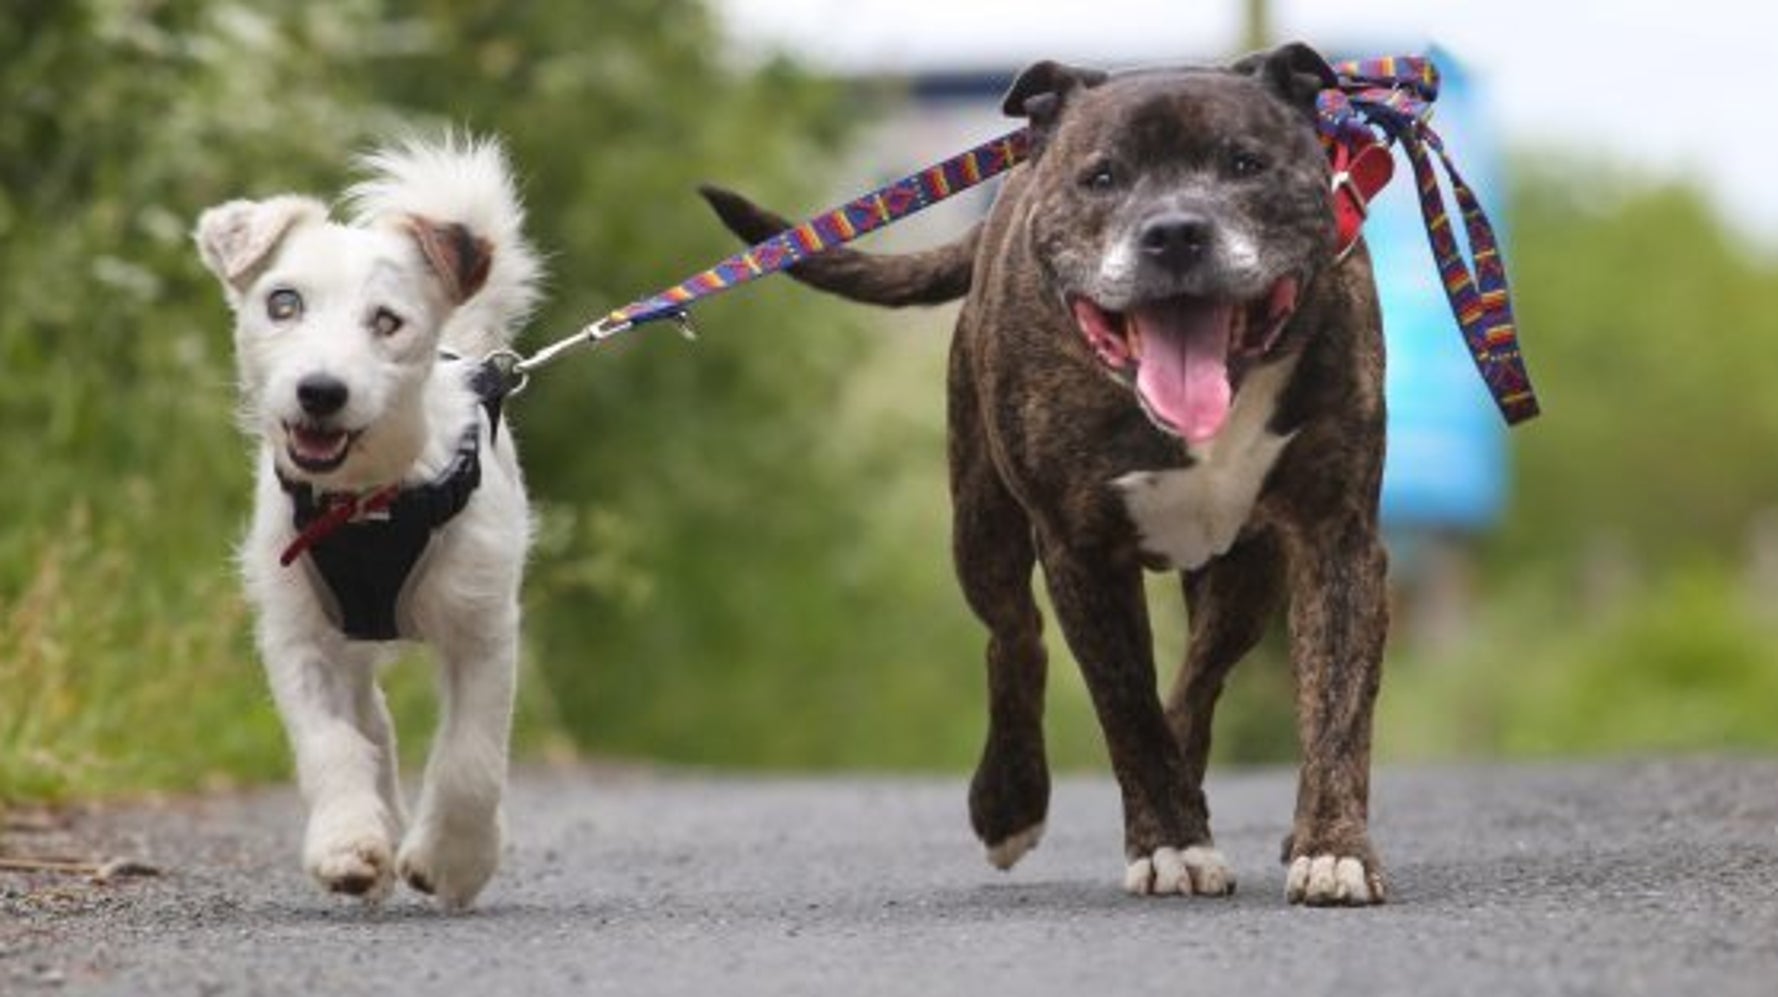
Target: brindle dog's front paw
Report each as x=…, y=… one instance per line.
x=1328, y=880
x=1199, y=870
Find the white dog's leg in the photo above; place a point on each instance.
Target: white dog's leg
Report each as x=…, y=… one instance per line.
x=376, y=724
x=320, y=687
x=454, y=844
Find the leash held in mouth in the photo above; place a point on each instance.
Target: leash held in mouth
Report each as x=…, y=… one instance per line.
x=1392, y=95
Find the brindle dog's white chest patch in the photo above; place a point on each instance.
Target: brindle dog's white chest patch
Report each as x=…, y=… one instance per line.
x=1192, y=515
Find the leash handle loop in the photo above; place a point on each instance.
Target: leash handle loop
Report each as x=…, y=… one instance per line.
x=1395, y=96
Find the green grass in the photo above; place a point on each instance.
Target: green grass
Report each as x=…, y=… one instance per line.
x=121, y=675
x=1687, y=662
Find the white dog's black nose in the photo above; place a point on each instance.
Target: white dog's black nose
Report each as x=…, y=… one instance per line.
x=1176, y=239
x=321, y=395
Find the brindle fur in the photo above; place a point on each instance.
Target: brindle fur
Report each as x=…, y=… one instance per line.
x=1038, y=432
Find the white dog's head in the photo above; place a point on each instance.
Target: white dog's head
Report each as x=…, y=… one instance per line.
x=338, y=326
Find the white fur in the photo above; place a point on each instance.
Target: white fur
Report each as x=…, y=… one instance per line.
x=1329, y=880
x=1233, y=253
x=1117, y=268
x=1197, y=871
x=409, y=417
x=1007, y=852
x=1192, y=515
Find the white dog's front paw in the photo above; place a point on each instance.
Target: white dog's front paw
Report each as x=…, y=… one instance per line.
x=1198, y=870
x=451, y=863
x=1332, y=881
x=349, y=852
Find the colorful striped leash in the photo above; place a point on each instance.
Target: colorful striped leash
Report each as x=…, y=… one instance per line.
x=1393, y=95
x=834, y=227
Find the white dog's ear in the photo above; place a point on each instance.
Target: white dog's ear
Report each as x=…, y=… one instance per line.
x=237, y=239
x=459, y=257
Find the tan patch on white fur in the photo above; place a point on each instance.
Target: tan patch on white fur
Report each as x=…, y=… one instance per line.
x=1191, y=515
x=1006, y=853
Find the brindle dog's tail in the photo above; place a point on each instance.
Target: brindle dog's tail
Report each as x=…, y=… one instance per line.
x=927, y=277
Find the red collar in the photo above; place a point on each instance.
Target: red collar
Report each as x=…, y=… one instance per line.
x=1358, y=174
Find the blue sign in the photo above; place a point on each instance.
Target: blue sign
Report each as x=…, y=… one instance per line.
x=1447, y=463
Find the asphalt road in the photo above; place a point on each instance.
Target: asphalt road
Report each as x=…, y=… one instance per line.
x=1628, y=878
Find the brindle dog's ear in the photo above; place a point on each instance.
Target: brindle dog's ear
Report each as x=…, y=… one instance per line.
x=459, y=257
x=1040, y=92
x=1293, y=71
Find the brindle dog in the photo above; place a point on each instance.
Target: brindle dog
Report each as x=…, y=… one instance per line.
x=1162, y=364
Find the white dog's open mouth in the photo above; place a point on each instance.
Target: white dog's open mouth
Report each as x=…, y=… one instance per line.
x=317, y=449
x=1179, y=350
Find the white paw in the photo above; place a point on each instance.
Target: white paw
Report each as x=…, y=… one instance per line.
x=1330, y=881
x=451, y=863
x=1004, y=854
x=349, y=852
x=1198, y=870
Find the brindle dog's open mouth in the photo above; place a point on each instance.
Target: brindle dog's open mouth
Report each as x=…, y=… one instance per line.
x=1179, y=351
x=317, y=449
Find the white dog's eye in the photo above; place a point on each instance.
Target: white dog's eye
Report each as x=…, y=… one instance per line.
x=283, y=304
x=385, y=322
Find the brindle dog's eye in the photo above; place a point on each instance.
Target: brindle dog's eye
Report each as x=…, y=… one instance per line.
x=385, y=322
x=1099, y=177
x=1246, y=164
x=283, y=304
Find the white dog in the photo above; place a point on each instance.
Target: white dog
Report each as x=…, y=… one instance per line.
x=392, y=492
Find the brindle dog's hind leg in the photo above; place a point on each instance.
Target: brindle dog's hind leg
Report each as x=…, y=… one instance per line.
x=992, y=546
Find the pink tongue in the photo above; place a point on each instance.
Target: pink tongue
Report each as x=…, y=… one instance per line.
x=1184, y=374
x=317, y=444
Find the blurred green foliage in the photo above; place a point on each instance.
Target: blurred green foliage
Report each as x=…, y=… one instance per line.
x=743, y=549
x=1652, y=329
x=1630, y=599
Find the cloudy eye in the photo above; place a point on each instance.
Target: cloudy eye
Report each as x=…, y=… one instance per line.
x=1245, y=164
x=385, y=322
x=283, y=305
x=1100, y=177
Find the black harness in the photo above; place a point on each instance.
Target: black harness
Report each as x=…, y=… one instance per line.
x=365, y=569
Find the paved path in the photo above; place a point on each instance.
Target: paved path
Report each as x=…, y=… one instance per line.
x=1650, y=878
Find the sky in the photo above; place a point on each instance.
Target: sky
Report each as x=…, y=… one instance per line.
x=1633, y=82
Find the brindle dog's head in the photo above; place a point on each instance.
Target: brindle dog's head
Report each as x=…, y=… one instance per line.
x=1179, y=215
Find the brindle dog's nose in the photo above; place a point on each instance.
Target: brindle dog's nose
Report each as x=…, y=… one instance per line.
x=1175, y=240
x=321, y=395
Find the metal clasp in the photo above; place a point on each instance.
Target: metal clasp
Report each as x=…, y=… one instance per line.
x=1342, y=181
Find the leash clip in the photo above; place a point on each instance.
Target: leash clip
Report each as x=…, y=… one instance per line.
x=1343, y=184
x=510, y=366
